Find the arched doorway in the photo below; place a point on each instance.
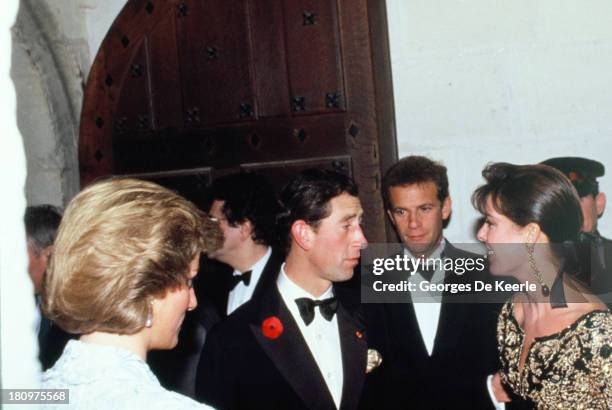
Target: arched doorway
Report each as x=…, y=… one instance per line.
x=182, y=90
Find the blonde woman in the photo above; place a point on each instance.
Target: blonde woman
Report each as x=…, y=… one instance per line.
x=121, y=277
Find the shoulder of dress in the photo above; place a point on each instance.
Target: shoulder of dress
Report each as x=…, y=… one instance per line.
x=507, y=309
x=602, y=320
x=595, y=331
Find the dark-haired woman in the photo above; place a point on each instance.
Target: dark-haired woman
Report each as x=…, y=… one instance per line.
x=554, y=339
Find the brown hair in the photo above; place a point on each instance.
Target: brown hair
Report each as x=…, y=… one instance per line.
x=532, y=193
x=415, y=170
x=120, y=243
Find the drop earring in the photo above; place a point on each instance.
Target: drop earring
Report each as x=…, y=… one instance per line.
x=532, y=263
x=149, y=321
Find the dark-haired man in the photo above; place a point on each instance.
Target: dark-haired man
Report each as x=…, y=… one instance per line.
x=583, y=173
x=41, y=224
x=440, y=355
x=297, y=346
x=246, y=207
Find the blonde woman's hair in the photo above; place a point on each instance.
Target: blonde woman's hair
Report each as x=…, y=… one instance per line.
x=122, y=242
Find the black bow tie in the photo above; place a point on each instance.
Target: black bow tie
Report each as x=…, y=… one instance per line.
x=236, y=279
x=427, y=272
x=327, y=308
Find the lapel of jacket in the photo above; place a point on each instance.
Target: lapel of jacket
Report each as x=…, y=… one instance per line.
x=291, y=355
x=224, y=295
x=452, y=315
x=354, y=358
x=406, y=332
x=403, y=318
x=268, y=276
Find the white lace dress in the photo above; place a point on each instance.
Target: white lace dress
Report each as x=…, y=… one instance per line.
x=105, y=377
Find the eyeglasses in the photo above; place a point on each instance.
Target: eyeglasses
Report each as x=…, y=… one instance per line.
x=215, y=219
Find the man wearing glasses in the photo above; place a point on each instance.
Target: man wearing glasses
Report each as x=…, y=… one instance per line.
x=245, y=206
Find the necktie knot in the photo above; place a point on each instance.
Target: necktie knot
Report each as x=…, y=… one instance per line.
x=306, y=306
x=236, y=279
x=427, y=271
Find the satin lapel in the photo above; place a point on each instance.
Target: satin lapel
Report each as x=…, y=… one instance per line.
x=406, y=327
x=452, y=315
x=222, y=307
x=291, y=355
x=354, y=359
x=268, y=276
x=450, y=326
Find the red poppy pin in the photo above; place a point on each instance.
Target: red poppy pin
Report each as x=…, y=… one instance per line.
x=572, y=176
x=272, y=327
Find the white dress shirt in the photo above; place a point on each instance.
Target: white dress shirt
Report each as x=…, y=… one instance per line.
x=242, y=293
x=427, y=305
x=321, y=336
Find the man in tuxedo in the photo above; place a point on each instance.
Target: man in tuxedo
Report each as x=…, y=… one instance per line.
x=41, y=223
x=246, y=207
x=436, y=354
x=596, y=250
x=297, y=346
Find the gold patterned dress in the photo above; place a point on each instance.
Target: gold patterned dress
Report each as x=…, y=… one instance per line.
x=570, y=369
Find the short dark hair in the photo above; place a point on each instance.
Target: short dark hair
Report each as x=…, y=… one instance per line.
x=415, y=169
x=307, y=197
x=533, y=193
x=41, y=224
x=248, y=196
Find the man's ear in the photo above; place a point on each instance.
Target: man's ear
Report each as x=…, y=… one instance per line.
x=302, y=234
x=46, y=253
x=447, y=206
x=600, y=203
x=390, y=215
x=246, y=229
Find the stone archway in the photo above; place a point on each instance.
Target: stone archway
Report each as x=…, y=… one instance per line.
x=48, y=74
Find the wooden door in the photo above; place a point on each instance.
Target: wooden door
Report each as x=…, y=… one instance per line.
x=184, y=90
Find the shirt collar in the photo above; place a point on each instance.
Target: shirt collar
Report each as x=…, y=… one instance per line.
x=290, y=291
x=439, y=274
x=437, y=253
x=259, y=266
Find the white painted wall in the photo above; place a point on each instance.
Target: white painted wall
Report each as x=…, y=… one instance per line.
x=18, y=345
x=517, y=81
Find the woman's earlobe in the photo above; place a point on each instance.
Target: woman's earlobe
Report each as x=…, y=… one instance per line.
x=533, y=233
x=149, y=320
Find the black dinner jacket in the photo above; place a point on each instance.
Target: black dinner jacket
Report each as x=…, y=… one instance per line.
x=176, y=368
x=51, y=342
x=216, y=284
x=464, y=353
x=601, y=274
x=241, y=368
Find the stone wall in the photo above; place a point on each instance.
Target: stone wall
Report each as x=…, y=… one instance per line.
x=49, y=64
